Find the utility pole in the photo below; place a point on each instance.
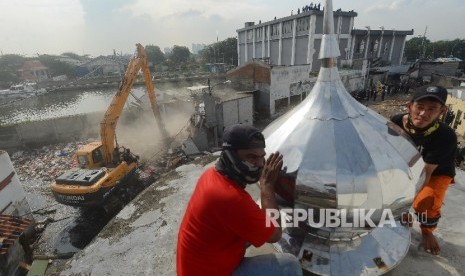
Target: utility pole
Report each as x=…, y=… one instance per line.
x=367, y=42
x=380, y=41
x=423, y=45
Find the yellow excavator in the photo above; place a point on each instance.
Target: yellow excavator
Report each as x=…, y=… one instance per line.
x=106, y=168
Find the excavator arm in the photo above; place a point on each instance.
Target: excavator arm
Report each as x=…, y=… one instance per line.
x=110, y=119
x=151, y=91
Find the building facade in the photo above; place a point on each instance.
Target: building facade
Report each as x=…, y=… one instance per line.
x=34, y=70
x=296, y=39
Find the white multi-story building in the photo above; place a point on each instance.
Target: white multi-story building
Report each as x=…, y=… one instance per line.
x=196, y=48
x=296, y=39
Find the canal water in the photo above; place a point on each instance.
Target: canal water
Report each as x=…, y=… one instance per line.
x=56, y=104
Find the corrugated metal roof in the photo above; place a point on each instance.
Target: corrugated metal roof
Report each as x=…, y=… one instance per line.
x=11, y=227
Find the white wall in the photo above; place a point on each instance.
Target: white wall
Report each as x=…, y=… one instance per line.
x=238, y=111
x=281, y=78
x=285, y=79
x=12, y=197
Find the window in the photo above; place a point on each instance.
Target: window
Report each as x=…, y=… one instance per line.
x=287, y=27
x=249, y=35
x=303, y=24
x=97, y=155
x=82, y=160
x=361, y=46
x=375, y=47
x=275, y=29
x=386, y=48
x=258, y=34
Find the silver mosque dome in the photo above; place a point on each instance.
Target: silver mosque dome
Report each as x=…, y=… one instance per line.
x=339, y=154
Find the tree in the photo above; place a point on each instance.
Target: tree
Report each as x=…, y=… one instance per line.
x=413, y=48
x=154, y=54
x=56, y=67
x=221, y=52
x=180, y=54
x=9, y=66
x=443, y=48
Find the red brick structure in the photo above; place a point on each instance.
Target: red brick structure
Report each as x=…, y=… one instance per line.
x=254, y=76
x=257, y=71
x=34, y=70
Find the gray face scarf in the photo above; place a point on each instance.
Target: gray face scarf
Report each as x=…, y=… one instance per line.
x=241, y=172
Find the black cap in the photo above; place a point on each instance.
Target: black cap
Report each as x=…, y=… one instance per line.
x=243, y=137
x=430, y=91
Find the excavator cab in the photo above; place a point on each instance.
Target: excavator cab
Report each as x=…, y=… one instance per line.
x=90, y=156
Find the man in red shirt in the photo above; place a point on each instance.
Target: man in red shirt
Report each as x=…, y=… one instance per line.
x=222, y=218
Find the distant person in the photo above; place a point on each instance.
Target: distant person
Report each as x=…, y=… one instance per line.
x=437, y=144
x=401, y=87
x=383, y=92
x=407, y=87
x=221, y=218
x=450, y=116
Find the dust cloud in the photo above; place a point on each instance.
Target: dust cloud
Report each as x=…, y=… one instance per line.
x=143, y=136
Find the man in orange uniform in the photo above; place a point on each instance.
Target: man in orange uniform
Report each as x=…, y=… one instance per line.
x=437, y=144
x=221, y=218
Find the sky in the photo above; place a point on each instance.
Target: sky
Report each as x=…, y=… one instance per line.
x=98, y=27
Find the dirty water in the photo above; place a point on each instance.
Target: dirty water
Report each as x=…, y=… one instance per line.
x=57, y=104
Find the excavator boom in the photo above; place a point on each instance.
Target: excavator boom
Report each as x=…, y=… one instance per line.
x=104, y=171
x=110, y=119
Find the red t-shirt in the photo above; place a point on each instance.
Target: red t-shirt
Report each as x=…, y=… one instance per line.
x=220, y=219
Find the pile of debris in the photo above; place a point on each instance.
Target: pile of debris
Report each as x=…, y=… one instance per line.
x=392, y=105
x=45, y=163
x=48, y=162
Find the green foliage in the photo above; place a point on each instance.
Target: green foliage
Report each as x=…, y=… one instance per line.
x=180, y=54
x=154, y=54
x=221, y=52
x=56, y=67
x=9, y=66
x=413, y=47
x=11, y=61
x=417, y=48
x=8, y=77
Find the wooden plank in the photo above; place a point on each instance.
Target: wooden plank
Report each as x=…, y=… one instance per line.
x=24, y=265
x=53, y=257
x=38, y=268
x=6, y=181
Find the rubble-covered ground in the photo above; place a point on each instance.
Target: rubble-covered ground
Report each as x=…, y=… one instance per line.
x=392, y=104
x=37, y=168
x=66, y=227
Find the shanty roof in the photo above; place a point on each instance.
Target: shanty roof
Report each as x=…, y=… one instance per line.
x=448, y=59
x=33, y=65
x=11, y=227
